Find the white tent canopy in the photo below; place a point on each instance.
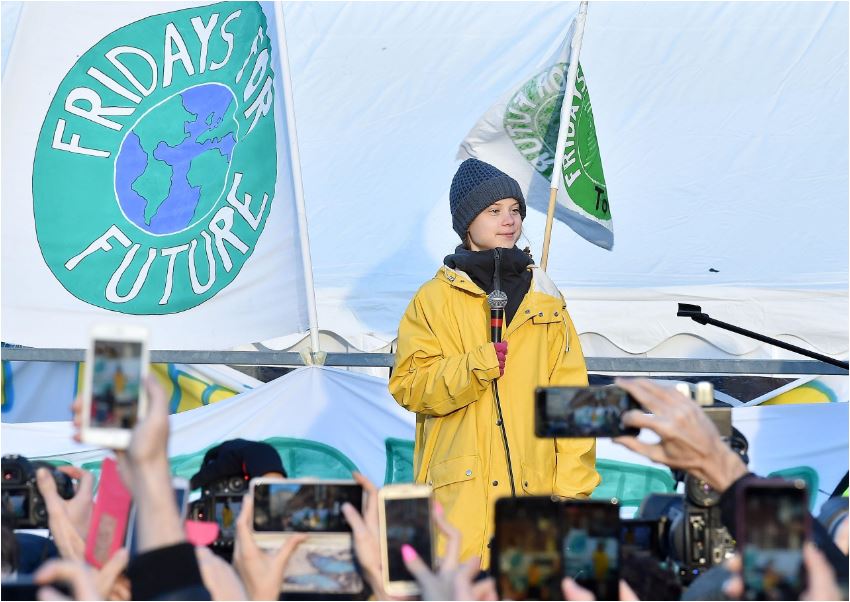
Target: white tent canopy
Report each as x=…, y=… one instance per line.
x=723, y=134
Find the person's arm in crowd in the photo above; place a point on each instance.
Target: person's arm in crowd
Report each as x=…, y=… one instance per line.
x=690, y=441
x=219, y=577
x=166, y=567
x=261, y=571
x=68, y=520
x=427, y=382
x=86, y=582
x=76, y=573
x=453, y=580
x=366, y=531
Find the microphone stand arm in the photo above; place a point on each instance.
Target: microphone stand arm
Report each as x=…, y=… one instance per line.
x=695, y=312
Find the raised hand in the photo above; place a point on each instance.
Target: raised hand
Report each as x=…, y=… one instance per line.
x=261, y=571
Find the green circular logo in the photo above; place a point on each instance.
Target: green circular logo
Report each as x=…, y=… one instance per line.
x=532, y=119
x=156, y=163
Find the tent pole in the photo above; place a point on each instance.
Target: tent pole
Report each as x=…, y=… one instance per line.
x=298, y=184
x=566, y=114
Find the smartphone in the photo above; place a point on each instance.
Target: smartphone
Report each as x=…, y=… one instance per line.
x=181, y=497
x=582, y=412
x=113, y=388
x=773, y=522
x=324, y=563
x=591, y=546
x=405, y=516
x=109, y=517
x=526, y=551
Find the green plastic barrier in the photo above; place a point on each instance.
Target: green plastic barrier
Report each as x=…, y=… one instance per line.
x=807, y=474
x=300, y=457
x=399, y=461
x=94, y=468
x=630, y=483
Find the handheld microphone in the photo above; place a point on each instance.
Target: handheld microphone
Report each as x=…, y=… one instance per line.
x=497, y=301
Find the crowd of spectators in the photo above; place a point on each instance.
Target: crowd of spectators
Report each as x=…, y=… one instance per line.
x=168, y=567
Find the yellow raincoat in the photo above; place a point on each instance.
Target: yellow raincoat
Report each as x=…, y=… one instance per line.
x=444, y=371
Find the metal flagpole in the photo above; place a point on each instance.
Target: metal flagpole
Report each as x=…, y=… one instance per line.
x=295, y=159
x=566, y=107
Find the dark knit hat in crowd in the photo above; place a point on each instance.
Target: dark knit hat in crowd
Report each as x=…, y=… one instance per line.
x=476, y=186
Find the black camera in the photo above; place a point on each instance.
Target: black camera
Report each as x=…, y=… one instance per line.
x=221, y=502
x=21, y=494
x=692, y=535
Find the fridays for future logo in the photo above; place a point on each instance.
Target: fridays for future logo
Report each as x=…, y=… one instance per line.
x=532, y=118
x=156, y=164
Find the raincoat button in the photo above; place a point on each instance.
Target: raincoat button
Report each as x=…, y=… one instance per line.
x=525, y=483
x=498, y=423
x=431, y=483
x=495, y=483
x=469, y=473
x=540, y=314
x=528, y=311
x=556, y=314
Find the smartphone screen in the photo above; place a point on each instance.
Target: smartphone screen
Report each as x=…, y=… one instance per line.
x=775, y=527
x=116, y=382
x=640, y=535
x=226, y=510
x=582, y=412
x=304, y=507
x=526, y=550
x=408, y=521
x=591, y=546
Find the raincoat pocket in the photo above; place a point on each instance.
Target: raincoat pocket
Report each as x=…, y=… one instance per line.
x=456, y=470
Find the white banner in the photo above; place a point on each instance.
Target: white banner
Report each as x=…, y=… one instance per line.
x=146, y=176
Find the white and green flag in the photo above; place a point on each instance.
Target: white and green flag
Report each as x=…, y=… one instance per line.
x=519, y=133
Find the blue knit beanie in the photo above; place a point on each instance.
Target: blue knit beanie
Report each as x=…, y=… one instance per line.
x=476, y=186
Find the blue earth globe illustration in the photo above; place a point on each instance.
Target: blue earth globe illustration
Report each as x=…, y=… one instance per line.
x=172, y=167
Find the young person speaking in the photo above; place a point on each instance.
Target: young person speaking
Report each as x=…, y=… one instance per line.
x=446, y=366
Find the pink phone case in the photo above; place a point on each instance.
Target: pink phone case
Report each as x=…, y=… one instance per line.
x=110, y=516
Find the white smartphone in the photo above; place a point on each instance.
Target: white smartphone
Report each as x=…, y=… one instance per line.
x=405, y=512
x=324, y=563
x=113, y=389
